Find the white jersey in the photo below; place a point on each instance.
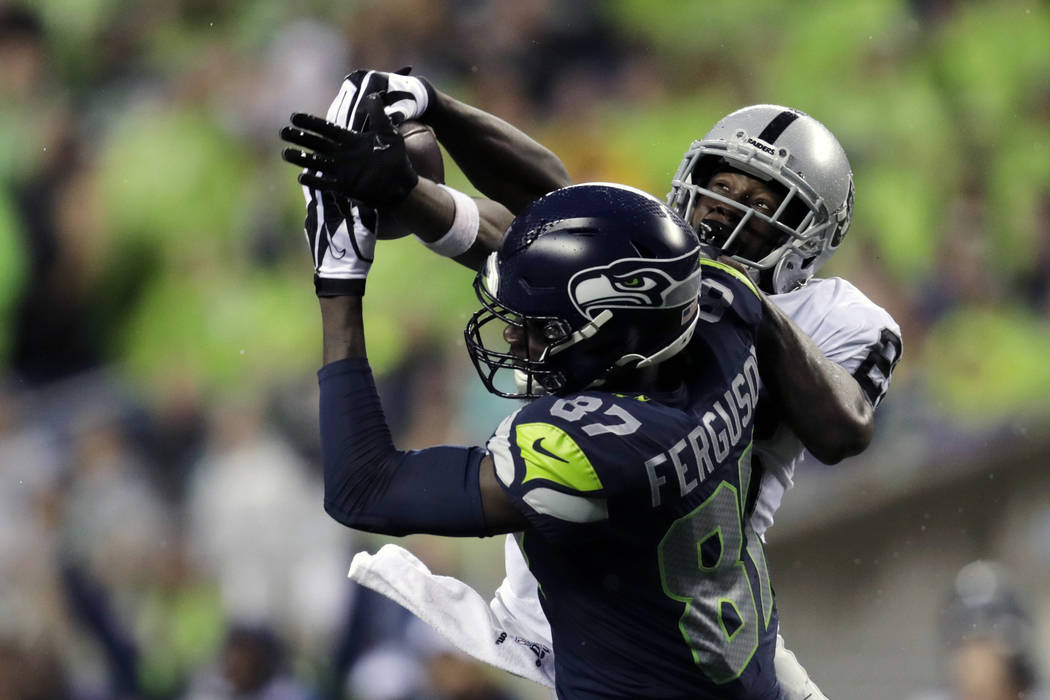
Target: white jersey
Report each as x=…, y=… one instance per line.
x=849, y=329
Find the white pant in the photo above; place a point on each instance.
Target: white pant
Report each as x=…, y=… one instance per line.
x=795, y=683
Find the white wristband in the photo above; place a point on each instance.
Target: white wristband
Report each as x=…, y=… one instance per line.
x=464, y=230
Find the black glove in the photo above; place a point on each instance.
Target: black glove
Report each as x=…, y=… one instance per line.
x=371, y=167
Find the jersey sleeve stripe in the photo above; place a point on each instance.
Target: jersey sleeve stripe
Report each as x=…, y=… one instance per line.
x=499, y=447
x=564, y=506
x=732, y=271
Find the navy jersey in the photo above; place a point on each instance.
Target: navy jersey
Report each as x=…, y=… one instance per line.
x=647, y=574
x=729, y=312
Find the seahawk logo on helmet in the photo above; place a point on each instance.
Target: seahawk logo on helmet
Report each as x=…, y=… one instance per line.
x=630, y=283
x=599, y=276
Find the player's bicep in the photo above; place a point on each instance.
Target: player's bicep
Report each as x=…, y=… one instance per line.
x=500, y=513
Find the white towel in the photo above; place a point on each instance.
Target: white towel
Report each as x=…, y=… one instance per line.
x=457, y=612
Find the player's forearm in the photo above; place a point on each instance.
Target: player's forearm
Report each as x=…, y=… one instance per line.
x=430, y=211
x=499, y=159
x=822, y=403
x=343, y=330
x=370, y=485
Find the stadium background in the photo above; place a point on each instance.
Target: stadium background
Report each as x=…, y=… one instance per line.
x=159, y=334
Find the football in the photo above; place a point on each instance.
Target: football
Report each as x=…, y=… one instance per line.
x=425, y=156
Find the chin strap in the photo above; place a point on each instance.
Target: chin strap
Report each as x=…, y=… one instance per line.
x=787, y=274
x=673, y=348
x=584, y=332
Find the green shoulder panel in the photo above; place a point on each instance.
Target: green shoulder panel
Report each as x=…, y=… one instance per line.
x=550, y=453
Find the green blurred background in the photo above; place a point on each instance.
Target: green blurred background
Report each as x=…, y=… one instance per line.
x=159, y=333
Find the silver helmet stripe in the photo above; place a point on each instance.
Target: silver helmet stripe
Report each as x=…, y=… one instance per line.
x=682, y=292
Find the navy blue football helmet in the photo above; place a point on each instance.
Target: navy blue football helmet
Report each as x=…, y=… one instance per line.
x=594, y=277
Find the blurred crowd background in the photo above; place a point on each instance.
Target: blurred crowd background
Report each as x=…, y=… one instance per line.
x=161, y=529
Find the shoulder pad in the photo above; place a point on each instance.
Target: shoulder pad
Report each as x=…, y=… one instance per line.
x=716, y=266
x=563, y=456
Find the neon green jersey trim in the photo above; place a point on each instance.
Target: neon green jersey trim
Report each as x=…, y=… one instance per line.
x=549, y=453
x=733, y=271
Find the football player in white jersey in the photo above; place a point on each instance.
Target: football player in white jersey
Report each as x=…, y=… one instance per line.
x=771, y=188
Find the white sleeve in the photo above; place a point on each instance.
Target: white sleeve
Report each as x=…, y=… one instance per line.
x=850, y=329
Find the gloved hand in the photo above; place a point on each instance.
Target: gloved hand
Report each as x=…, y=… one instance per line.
x=371, y=167
x=341, y=245
x=404, y=97
x=338, y=229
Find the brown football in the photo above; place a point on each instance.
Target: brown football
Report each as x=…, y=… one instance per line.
x=425, y=155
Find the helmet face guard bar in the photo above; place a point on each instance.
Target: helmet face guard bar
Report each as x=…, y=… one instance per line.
x=533, y=378
x=803, y=237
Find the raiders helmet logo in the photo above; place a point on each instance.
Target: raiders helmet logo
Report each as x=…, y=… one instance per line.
x=843, y=219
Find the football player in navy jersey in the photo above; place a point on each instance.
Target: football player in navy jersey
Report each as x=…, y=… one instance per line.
x=627, y=489
x=768, y=186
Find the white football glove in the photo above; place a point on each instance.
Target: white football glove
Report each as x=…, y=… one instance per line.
x=342, y=246
x=404, y=97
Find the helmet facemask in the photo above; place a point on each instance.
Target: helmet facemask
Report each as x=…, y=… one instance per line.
x=503, y=372
x=807, y=231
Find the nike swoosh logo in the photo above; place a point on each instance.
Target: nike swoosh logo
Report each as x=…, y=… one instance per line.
x=538, y=447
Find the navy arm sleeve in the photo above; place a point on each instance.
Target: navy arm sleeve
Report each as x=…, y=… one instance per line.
x=370, y=485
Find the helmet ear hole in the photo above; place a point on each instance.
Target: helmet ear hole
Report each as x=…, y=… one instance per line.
x=555, y=330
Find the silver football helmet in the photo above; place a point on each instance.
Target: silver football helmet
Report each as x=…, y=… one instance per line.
x=792, y=149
